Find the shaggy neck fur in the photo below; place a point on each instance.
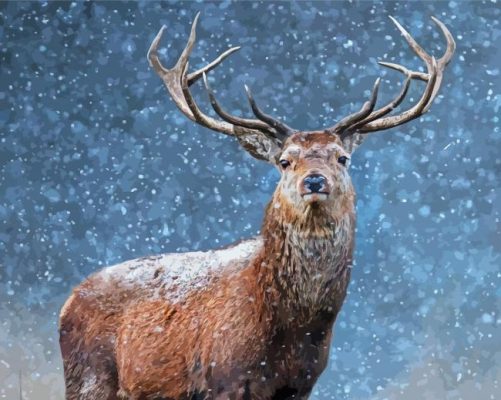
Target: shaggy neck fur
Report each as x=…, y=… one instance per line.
x=304, y=266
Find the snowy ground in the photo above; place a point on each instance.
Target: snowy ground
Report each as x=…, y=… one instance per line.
x=97, y=167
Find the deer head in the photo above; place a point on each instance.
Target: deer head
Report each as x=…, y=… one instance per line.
x=313, y=165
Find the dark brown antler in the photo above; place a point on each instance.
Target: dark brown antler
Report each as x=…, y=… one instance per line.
x=366, y=120
x=281, y=130
x=254, y=134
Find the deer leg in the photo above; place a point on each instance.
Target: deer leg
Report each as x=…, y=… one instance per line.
x=91, y=385
x=88, y=375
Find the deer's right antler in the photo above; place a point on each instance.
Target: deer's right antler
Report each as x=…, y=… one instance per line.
x=261, y=137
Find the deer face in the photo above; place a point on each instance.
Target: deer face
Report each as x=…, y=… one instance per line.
x=314, y=168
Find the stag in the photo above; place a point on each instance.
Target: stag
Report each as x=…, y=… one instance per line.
x=254, y=320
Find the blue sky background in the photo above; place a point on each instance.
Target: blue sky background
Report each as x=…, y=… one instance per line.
x=98, y=166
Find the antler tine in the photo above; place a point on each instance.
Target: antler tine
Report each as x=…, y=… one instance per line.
x=195, y=76
x=245, y=122
x=451, y=44
x=283, y=129
x=412, y=74
x=442, y=61
x=433, y=79
x=412, y=43
x=185, y=55
x=153, y=54
x=249, y=123
x=388, y=107
x=366, y=109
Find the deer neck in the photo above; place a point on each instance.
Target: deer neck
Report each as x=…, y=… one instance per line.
x=304, y=265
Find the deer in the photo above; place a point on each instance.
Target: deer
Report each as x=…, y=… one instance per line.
x=253, y=320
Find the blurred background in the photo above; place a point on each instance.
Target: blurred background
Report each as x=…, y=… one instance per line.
x=98, y=167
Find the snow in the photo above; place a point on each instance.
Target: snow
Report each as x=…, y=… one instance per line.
x=423, y=304
x=181, y=273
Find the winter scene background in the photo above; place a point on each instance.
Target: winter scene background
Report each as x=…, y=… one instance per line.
x=98, y=167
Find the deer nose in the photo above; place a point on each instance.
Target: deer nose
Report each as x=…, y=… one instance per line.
x=315, y=183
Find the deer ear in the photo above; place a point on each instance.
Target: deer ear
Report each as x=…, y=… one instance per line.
x=351, y=142
x=257, y=144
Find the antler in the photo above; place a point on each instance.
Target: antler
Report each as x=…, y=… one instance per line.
x=366, y=120
x=178, y=82
x=280, y=130
x=263, y=136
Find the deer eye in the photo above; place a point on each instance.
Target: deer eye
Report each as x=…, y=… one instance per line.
x=342, y=160
x=284, y=163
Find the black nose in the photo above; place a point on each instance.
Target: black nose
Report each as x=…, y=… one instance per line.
x=315, y=183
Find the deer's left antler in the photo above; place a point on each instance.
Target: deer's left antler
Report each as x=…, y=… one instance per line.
x=367, y=120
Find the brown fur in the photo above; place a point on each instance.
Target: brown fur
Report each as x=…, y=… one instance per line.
x=258, y=328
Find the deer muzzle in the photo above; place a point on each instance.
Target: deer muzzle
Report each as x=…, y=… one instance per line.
x=314, y=187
